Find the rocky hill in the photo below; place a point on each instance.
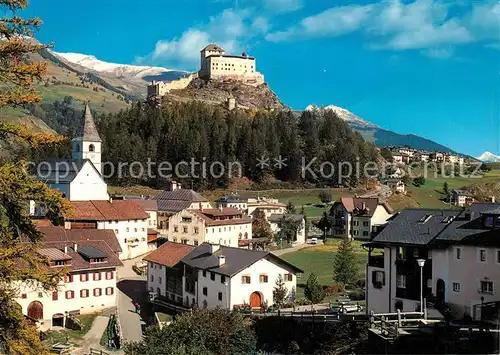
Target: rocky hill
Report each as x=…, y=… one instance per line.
x=217, y=92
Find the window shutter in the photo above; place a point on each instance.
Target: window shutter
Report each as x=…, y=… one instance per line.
x=374, y=276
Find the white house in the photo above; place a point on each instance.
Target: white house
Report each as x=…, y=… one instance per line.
x=460, y=251
x=232, y=201
x=357, y=217
x=276, y=219
x=79, y=178
x=90, y=285
x=462, y=197
x=268, y=205
x=217, y=276
x=125, y=217
x=396, y=185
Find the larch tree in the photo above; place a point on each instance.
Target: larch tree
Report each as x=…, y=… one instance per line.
x=19, y=259
x=344, y=264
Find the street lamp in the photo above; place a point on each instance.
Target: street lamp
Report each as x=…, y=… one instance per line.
x=421, y=263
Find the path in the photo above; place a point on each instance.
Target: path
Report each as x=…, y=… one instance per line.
x=131, y=288
x=295, y=248
x=94, y=335
x=383, y=193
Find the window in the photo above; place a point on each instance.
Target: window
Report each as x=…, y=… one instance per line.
x=489, y=221
x=288, y=277
x=176, y=229
x=365, y=233
x=70, y=295
x=195, y=230
x=195, y=242
x=97, y=292
x=68, y=278
x=482, y=255
x=212, y=276
x=40, y=294
x=135, y=229
x=365, y=223
x=128, y=229
x=415, y=253
x=486, y=287
x=84, y=293
x=355, y=223
x=205, y=291
x=220, y=296
x=110, y=291
x=116, y=231
x=55, y=296
x=263, y=279
x=84, y=277
x=59, y=263
x=159, y=280
x=400, y=281
x=186, y=219
x=456, y=287
x=91, y=148
x=184, y=229
x=152, y=278
x=109, y=275
x=355, y=232
x=458, y=253
x=245, y=279
x=204, y=273
x=378, y=279
x=222, y=279
x=97, y=276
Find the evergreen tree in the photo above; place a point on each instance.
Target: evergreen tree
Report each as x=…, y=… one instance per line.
x=324, y=224
x=313, y=290
x=20, y=261
x=386, y=154
x=344, y=264
x=279, y=292
x=290, y=208
x=325, y=196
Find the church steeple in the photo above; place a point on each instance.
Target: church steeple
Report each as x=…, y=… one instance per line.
x=87, y=143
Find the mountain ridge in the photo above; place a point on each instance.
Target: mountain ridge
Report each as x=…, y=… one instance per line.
x=488, y=157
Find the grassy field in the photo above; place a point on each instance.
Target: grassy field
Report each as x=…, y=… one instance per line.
x=319, y=260
x=68, y=335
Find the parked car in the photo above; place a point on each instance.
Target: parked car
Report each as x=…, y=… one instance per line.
x=340, y=308
x=314, y=241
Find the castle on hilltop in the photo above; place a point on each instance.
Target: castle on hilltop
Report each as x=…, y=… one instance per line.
x=215, y=64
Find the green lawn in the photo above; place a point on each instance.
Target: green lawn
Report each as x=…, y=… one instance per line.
x=319, y=260
x=68, y=335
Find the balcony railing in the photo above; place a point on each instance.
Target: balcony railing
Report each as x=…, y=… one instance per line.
x=376, y=261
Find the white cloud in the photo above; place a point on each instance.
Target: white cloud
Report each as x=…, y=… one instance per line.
x=336, y=21
x=428, y=25
x=230, y=29
x=439, y=53
x=282, y=6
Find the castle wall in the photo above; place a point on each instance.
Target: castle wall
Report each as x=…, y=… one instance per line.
x=161, y=88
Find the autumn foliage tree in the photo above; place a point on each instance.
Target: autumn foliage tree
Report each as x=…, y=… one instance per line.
x=19, y=259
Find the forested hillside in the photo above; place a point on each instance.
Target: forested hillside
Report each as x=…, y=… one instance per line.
x=184, y=131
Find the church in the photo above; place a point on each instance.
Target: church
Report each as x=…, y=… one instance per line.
x=79, y=178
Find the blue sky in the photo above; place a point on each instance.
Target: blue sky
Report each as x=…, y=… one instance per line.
x=425, y=67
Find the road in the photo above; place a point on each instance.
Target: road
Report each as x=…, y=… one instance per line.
x=131, y=288
x=295, y=248
x=384, y=192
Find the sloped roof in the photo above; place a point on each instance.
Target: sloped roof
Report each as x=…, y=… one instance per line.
x=102, y=210
x=62, y=235
x=87, y=129
x=232, y=198
x=59, y=170
x=212, y=47
x=177, y=200
x=169, y=254
x=236, y=259
x=54, y=254
x=214, y=222
x=355, y=205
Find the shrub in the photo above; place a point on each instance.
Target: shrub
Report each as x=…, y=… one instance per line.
x=302, y=302
x=333, y=289
x=357, y=294
x=242, y=308
x=360, y=283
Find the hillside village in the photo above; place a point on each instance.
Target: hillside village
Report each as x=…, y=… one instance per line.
x=345, y=257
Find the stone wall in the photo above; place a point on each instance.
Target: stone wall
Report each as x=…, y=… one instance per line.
x=161, y=88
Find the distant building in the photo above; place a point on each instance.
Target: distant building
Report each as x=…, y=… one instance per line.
x=91, y=257
x=267, y=205
x=300, y=236
x=232, y=201
x=357, y=218
x=214, y=276
x=216, y=64
x=462, y=197
x=396, y=185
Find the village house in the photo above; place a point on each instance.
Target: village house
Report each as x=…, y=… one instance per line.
x=126, y=218
x=173, y=201
x=275, y=221
x=215, y=276
x=91, y=257
x=436, y=157
x=455, y=252
x=267, y=205
x=462, y=197
x=225, y=226
x=357, y=218
x=396, y=185
x=232, y=201
x=78, y=178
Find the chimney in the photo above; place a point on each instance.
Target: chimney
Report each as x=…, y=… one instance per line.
x=65, y=249
x=75, y=247
x=222, y=260
x=172, y=186
x=201, y=206
x=492, y=199
x=214, y=248
x=179, y=186
x=363, y=206
x=110, y=199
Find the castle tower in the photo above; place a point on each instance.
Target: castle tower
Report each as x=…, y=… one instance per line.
x=211, y=49
x=87, y=143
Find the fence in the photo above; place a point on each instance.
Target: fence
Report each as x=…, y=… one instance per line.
x=97, y=352
x=389, y=324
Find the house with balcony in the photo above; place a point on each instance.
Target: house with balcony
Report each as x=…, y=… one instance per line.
x=215, y=276
x=126, y=218
x=460, y=253
x=91, y=258
x=357, y=217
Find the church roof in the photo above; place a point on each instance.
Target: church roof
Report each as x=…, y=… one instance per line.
x=87, y=129
x=59, y=170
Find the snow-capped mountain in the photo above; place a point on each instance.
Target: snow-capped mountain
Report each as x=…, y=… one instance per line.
x=92, y=63
x=488, y=157
x=346, y=115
